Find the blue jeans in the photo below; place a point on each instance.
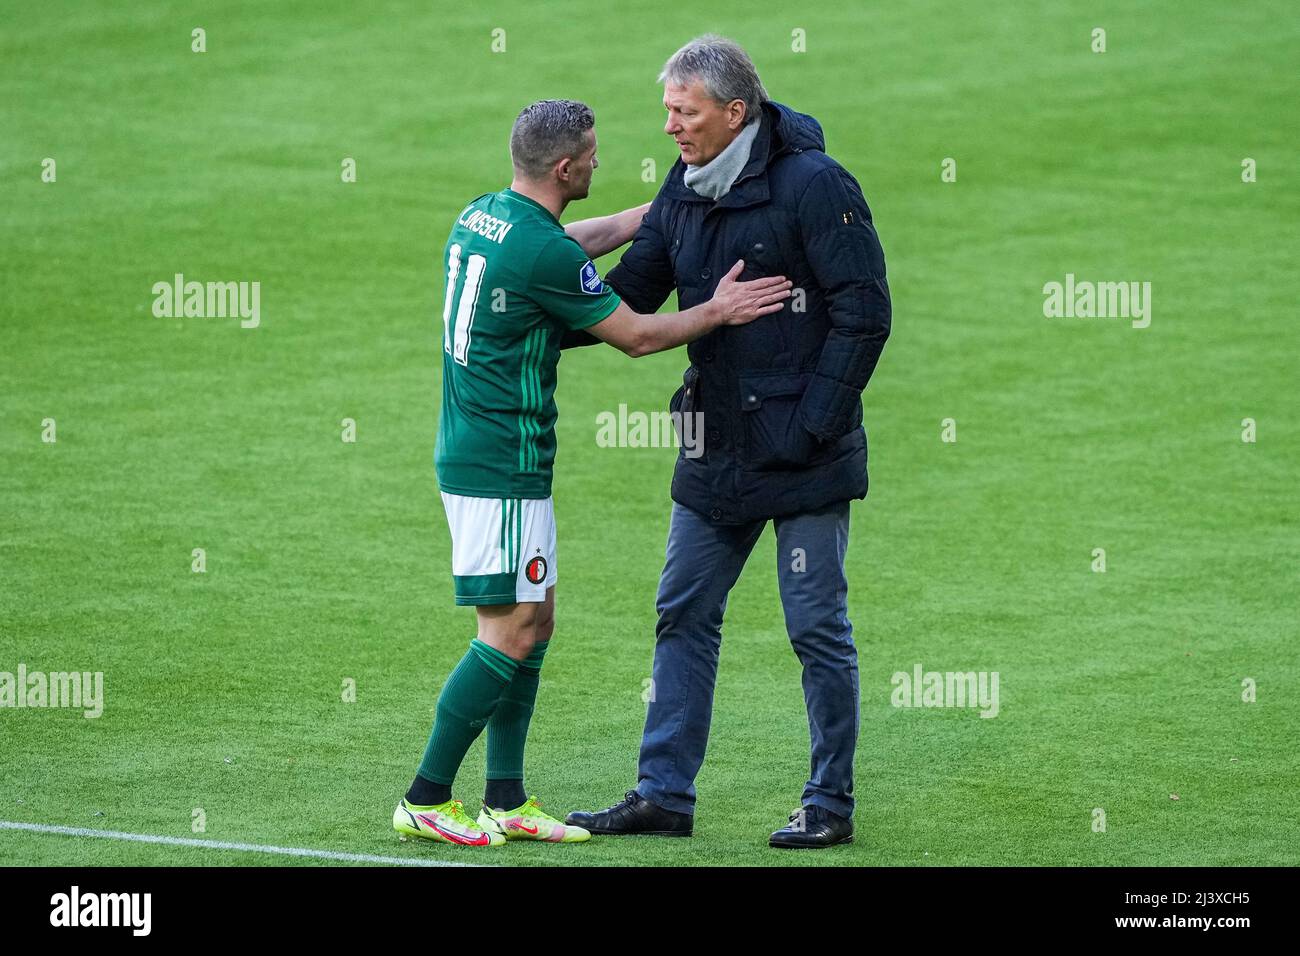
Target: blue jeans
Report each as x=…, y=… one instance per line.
x=704, y=560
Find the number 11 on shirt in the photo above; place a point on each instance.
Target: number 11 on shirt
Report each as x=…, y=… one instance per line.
x=455, y=340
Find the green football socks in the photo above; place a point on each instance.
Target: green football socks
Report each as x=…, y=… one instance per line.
x=467, y=702
x=508, y=728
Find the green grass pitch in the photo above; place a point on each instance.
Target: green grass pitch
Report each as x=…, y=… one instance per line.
x=329, y=561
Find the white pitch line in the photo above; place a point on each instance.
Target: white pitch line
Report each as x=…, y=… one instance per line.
x=220, y=845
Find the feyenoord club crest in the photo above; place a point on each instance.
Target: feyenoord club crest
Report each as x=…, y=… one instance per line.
x=535, y=570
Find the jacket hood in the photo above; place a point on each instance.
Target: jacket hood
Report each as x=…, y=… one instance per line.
x=793, y=130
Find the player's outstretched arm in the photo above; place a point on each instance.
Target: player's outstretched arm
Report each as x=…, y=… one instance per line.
x=733, y=303
x=604, y=234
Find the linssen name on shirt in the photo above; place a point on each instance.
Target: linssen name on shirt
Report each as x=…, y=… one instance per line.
x=489, y=227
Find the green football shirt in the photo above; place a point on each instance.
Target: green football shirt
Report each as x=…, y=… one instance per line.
x=515, y=283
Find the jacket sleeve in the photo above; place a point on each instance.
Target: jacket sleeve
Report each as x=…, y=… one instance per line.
x=643, y=278
x=848, y=265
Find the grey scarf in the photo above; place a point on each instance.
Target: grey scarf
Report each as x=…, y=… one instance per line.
x=714, y=179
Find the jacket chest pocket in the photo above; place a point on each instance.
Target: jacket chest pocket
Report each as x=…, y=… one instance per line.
x=762, y=257
x=759, y=236
x=702, y=249
x=770, y=341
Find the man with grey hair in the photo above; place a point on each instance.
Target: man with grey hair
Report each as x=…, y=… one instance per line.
x=516, y=282
x=782, y=408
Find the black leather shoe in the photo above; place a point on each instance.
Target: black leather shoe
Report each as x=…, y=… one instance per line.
x=633, y=815
x=812, y=827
